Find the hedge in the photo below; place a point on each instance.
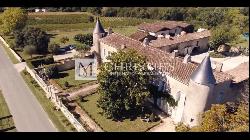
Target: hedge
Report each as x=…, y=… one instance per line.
x=45, y=60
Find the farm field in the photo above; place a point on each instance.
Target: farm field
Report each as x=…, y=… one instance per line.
x=61, y=24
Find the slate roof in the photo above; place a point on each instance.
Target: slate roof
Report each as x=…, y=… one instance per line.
x=98, y=27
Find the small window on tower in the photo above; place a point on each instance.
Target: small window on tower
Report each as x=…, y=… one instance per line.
x=191, y=120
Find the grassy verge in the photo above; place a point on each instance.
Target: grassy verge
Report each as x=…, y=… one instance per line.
x=10, y=54
x=57, y=117
x=69, y=76
x=127, y=125
x=6, y=120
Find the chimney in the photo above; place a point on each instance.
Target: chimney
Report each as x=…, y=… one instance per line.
x=145, y=42
x=174, y=53
x=110, y=31
x=187, y=58
x=167, y=36
x=219, y=67
x=123, y=46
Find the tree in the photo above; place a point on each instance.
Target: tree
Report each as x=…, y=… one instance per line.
x=30, y=50
x=222, y=35
x=64, y=39
x=123, y=84
x=84, y=38
x=54, y=48
x=35, y=37
x=91, y=19
x=82, y=48
x=13, y=19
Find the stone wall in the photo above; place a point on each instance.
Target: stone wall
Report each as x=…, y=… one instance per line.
x=51, y=93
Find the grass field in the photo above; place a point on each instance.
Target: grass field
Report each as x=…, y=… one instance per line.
x=69, y=76
x=6, y=121
x=57, y=117
x=90, y=106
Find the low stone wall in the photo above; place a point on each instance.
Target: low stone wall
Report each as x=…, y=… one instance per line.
x=12, y=51
x=51, y=92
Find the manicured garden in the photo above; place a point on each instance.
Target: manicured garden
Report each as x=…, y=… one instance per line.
x=69, y=76
x=89, y=104
x=57, y=117
x=6, y=120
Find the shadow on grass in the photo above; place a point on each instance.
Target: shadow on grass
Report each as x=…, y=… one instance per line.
x=52, y=35
x=61, y=75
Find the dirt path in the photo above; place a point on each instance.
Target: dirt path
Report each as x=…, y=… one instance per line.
x=83, y=92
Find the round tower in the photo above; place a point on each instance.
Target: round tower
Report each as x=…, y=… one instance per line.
x=199, y=93
x=98, y=33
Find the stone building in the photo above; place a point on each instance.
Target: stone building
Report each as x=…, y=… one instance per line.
x=171, y=35
x=194, y=86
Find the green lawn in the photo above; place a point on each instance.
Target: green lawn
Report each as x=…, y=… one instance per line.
x=90, y=106
x=57, y=117
x=69, y=76
x=6, y=121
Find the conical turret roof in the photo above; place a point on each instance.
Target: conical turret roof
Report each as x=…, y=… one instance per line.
x=204, y=73
x=98, y=27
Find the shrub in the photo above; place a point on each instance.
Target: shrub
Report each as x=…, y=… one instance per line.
x=182, y=128
x=54, y=48
x=34, y=63
x=64, y=39
x=66, y=84
x=30, y=50
x=51, y=71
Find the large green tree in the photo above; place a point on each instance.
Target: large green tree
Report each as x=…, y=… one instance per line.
x=123, y=84
x=13, y=19
x=222, y=35
x=33, y=36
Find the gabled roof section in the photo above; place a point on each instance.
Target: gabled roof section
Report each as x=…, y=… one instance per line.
x=138, y=35
x=204, y=73
x=98, y=27
x=173, y=67
x=180, y=39
x=157, y=26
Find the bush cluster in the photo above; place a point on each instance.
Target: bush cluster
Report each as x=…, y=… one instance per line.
x=34, y=63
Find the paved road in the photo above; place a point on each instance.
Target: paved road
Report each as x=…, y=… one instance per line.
x=28, y=114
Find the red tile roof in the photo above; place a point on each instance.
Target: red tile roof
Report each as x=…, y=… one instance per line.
x=157, y=26
x=173, y=66
x=240, y=73
x=138, y=35
x=182, y=38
